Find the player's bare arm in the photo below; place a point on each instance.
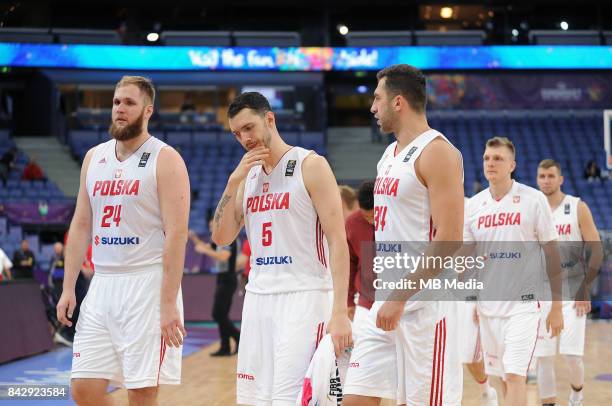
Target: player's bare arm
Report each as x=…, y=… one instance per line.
x=174, y=200
x=554, y=320
x=229, y=216
x=440, y=169
x=323, y=190
x=205, y=248
x=79, y=238
x=593, y=244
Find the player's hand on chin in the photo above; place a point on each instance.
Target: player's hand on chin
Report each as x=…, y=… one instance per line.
x=171, y=326
x=389, y=314
x=252, y=158
x=339, y=327
x=554, y=321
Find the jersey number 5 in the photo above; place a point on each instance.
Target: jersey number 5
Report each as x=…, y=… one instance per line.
x=111, y=213
x=266, y=234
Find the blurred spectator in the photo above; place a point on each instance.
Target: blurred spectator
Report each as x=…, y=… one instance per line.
x=592, y=171
x=32, y=171
x=225, y=268
x=56, y=269
x=188, y=109
x=188, y=104
x=23, y=262
x=5, y=267
x=64, y=334
x=349, y=200
x=360, y=239
x=7, y=162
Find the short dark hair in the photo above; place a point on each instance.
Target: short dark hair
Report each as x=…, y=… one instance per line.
x=549, y=163
x=365, y=195
x=249, y=100
x=407, y=81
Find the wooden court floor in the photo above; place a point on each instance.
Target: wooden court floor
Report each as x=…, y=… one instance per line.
x=211, y=381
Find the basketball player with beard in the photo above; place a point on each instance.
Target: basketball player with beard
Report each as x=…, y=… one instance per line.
x=133, y=205
x=577, y=234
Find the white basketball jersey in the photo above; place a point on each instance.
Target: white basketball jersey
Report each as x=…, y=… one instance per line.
x=289, y=250
x=566, y=219
x=505, y=231
x=401, y=202
x=127, y=225
x=571, y=245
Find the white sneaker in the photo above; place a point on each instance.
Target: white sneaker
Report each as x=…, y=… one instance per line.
x=489, y=398
x=575, y=399
x=59, y=339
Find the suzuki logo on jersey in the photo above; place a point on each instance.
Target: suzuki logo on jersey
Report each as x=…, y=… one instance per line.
x=117, y=187
x=566, y=208
x=271, y=201
x=564, y=229
x=116, y=240
x=266, y=186
x=504, y=255
x=499, y=219
x=118, y=172
x=516, y=199
x=386, y=186
x=274, y=260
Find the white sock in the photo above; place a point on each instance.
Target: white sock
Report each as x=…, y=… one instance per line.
x=576, y=395
x=484, y=386
x=547, y=386
x=575, y=366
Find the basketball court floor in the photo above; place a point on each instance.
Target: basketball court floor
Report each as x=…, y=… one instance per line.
x=211, y=381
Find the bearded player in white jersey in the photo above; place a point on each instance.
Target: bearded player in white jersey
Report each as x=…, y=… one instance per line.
x=133, y=206
x=506, y=224
x=288, y=200
x=577, y=233
x=407, y=349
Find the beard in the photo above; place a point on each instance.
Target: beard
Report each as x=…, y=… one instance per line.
x=129, y=131
x=266, y=141
x=386, y=121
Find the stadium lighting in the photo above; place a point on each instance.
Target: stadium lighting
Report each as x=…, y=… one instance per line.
x=152, y=36
x=515, y=32
x=343, y=29
x=564, y=25
x=446, y=12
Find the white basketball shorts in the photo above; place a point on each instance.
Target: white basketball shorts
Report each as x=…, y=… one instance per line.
x=469, y=333
x=279, y=335
x=508, y=343
x=118, y=334
x=571, y=340
x=416, y=364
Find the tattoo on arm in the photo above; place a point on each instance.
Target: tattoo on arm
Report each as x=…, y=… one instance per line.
x=219, y=212
x=239, y=218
